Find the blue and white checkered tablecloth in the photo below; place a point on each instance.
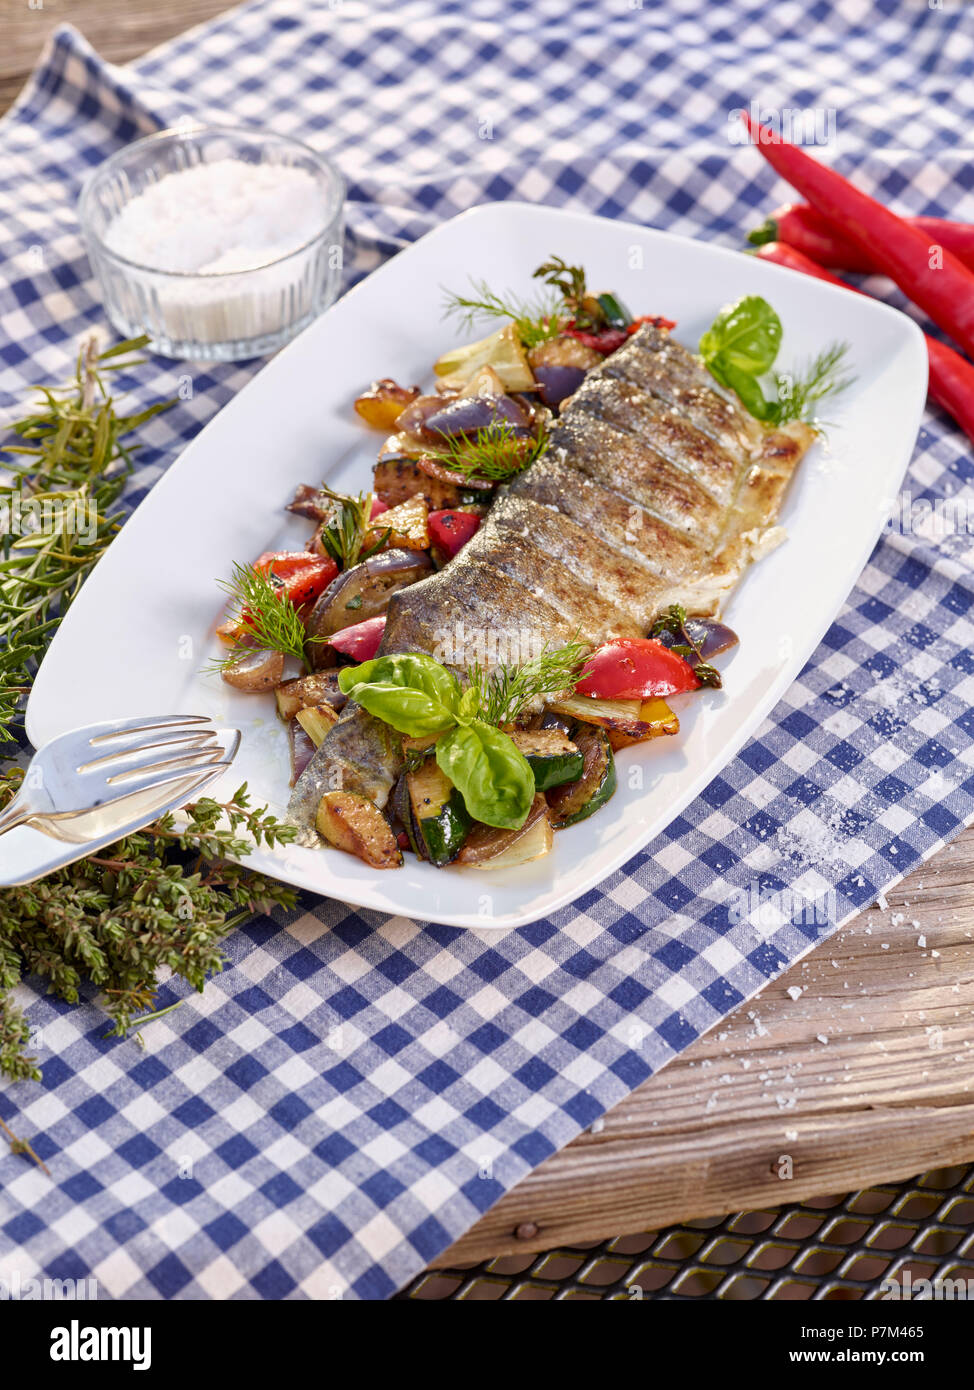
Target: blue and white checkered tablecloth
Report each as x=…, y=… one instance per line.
x=353, y=1092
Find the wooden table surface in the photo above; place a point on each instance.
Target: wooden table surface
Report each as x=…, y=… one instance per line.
x=866, y=1074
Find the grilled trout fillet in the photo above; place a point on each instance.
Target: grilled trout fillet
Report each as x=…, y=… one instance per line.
x=656, y=489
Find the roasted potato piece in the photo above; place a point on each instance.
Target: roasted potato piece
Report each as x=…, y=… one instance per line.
x=406, y=524
x=353, y=824
x=384, y=402
x=258, y=670
x=318, y=689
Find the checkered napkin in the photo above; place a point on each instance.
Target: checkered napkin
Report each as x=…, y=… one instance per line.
x=354, y=1091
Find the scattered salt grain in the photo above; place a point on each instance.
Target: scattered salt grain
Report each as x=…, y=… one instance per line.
x=795, y=992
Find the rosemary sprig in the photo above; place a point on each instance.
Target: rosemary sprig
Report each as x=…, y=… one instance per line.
x=346, y=534
x=535, y=320
x=801, y=392
x=57, y=520
x=267, y=619
x=494, y=454
x=505, y=691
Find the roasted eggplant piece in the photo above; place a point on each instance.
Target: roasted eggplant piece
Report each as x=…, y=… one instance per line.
x=363, y=592
x=576, y=801
x=551, y=756
x=311, y=502
x=352, y=823
x=300, y=748
x=439, y=814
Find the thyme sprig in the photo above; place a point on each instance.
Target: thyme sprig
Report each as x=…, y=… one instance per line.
x=505, y=691
x=495, y=453
x=535, y=320
x=166, y=896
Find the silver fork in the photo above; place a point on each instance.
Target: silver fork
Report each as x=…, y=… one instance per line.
x=115, y=767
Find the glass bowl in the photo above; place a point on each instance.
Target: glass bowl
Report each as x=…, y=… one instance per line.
x=212, y=315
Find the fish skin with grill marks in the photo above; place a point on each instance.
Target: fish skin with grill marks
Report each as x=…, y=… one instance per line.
x=656, y=488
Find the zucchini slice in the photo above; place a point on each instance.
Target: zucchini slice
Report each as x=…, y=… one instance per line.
x=578, y=800
x=441, y=817
x=552, y=756
x=535, y=842
x=352, y=823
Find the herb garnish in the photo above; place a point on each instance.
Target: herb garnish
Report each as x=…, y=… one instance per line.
x=740, y=348
x=267, y=620
x=163, y=897
x=345, y=534
x=673, y=620
x=76, y=463
x=495, y=453
x=505, y=691
x=535, y=321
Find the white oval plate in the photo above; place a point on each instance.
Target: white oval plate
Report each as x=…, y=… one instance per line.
x=135, y=639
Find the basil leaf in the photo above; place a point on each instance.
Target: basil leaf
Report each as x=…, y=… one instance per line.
x=469, y=705
x=412, y=669
x=408, y=710
x=745, y=336
x=747, y=387
x=492, y=776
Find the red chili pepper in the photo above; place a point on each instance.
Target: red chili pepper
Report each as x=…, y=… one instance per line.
x=944, y=290
x=800, y=226
x=951, y=376
x=301, y=576
x=605, y=342
x=636, y=668
x=361, y=640
x=657, y=321
x=451, y=530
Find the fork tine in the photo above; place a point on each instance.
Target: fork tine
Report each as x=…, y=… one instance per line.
x=198, y=757
x=135, y=745
x=160, y=779
x=148, y=723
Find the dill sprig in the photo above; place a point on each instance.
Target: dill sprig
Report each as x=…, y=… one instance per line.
x=505, y=691
x=267, y=619
x=344, y=534
x=494, y=454
x=69, y=469
x=535, y=320
x=801, y=392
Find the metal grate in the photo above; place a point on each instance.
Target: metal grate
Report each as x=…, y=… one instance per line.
x=826, y=1248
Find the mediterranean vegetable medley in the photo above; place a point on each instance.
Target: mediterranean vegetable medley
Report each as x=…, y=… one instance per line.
x=496, y=755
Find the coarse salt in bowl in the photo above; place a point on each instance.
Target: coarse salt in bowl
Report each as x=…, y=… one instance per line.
x=220, y=244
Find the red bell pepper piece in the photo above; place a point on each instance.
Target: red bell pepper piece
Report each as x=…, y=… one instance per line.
x=800, y=226
x=945, y=290
x=605, y=342
x=361, y=640
x=451, y=530
x=378, y=507
x=657, y=321
x=300, y=575
x=636, y=668
x=951, y=381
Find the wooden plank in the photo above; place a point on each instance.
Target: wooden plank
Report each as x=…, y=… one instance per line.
x=118, y=29
x=866, y=1076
